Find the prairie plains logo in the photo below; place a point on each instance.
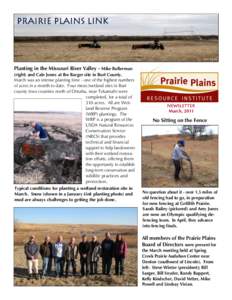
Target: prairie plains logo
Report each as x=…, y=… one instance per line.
x=179, y=87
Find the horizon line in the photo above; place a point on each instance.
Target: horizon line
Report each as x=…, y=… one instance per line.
x=35, y=223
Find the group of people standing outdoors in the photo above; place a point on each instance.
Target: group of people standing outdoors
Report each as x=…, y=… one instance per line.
x=65, y=256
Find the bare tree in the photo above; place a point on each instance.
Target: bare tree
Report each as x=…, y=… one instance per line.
x=192, y=130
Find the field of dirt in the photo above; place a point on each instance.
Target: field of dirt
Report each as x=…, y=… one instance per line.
x=68, y=51
x=66, y=140
x=158, y=169
x=23, y=231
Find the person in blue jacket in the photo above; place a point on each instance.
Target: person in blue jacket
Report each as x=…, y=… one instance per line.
x=39, y=131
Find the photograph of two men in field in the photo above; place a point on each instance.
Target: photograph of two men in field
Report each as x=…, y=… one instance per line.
x=116, y=37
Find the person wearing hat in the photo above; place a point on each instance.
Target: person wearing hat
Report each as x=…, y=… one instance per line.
x=177, y=156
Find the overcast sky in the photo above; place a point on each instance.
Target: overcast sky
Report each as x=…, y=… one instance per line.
x=46, y=105
x=148, y=130
x=124, y=24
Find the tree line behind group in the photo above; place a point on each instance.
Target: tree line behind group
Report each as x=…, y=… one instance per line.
x=64, y=256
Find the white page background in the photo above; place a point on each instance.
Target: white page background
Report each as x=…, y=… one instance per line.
x=220, y=286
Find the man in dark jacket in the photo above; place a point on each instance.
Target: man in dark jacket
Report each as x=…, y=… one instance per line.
x=95, y=252
x=46, y=254
x=84, y=250
x=71, y=253
x=31, y=250
x=107, y=254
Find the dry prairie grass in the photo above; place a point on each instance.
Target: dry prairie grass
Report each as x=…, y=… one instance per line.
x=52, y=51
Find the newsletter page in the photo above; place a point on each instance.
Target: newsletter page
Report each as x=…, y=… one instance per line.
x=115, y=151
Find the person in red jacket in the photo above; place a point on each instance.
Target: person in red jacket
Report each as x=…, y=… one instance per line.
x=120, y=252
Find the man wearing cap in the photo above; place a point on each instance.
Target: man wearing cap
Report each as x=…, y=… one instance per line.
x=177, y=156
